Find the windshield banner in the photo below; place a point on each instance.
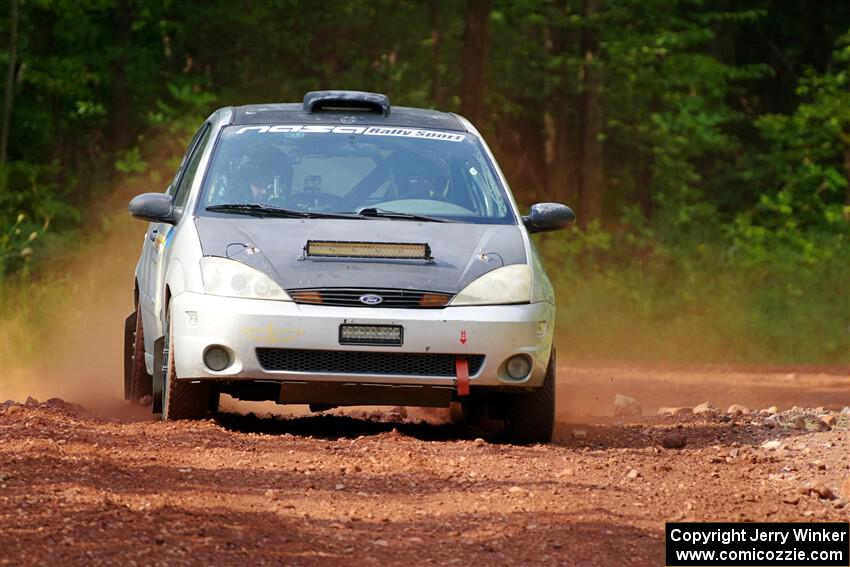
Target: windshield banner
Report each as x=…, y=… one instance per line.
x=364, y=130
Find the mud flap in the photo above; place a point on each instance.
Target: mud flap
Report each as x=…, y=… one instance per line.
x=462, y=373
x=159, y=371
x=129, y=347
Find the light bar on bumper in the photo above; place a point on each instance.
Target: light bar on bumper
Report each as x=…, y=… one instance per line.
x=390, y=335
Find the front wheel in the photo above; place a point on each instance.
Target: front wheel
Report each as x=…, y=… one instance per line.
x=530, y=417
x=180, y=399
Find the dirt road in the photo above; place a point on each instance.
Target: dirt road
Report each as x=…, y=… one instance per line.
x=82, y=487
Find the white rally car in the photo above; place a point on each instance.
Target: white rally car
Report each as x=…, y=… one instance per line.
x=343, y=252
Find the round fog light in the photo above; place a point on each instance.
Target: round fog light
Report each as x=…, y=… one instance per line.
x=217, y=358
x=518, y=366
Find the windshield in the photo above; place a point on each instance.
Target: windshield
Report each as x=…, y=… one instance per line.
x=348, y=169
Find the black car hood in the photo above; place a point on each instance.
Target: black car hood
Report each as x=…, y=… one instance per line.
x=461, y=252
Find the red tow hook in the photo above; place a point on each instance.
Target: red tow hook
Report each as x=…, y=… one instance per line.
x=462, y=372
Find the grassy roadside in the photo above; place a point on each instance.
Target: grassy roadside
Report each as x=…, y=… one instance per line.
x=696, y=305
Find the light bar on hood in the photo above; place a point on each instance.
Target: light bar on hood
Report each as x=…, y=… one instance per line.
x=389, y=250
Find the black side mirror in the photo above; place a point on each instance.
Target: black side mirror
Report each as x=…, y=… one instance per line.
x=544, y=217
x=153, y=207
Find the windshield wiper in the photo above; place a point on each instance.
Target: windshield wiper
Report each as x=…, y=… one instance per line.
x=260, y=210
x=381, y=213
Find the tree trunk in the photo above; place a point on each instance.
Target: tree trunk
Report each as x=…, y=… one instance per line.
x=643, y=161
x=10, y=81
x=561, y=182
x=591, y=175
x=436, y=56
x=847, y=174
x=120, y=103
x=643, y=183
x=476, y=53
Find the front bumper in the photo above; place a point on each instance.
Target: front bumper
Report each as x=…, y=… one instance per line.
x=243, y=325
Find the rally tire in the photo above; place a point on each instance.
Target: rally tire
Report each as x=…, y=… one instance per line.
x=180, y=399
x=530, y=417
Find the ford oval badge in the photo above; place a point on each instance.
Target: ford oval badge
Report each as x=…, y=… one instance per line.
x=371, y=299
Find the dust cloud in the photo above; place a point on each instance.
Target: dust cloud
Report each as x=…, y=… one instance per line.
x=61, y=333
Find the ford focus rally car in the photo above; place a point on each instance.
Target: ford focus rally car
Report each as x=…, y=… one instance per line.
x=337, y=252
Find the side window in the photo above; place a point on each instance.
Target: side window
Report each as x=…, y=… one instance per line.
x=190, y=167
x=172, y=187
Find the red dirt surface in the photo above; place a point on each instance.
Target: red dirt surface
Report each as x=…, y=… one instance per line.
x=355, y=488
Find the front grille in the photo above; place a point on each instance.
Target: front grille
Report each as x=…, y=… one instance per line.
x=352, y=362
x=350, y=297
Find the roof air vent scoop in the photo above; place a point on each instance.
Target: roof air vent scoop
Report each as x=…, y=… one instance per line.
x=346, y=101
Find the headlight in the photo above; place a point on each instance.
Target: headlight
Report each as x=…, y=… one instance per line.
x=509, y=284
x=234, y=279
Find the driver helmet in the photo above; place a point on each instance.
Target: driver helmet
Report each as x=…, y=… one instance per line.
x=259, y=181
x=421, y=179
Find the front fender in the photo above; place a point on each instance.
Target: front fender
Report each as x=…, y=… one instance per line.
x=175, y=280
x=174, y=284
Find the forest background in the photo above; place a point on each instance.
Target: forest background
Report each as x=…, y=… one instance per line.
x=705, y=145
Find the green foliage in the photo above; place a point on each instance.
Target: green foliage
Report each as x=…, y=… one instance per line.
x=15, y=243
x=131, y=161
x=807, y=163
x=186, y=104
x=30, y=201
